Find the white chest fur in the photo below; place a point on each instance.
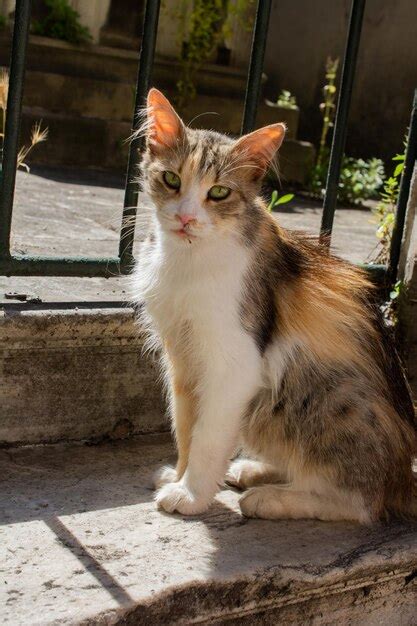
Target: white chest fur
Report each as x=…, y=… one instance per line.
x=198, y=283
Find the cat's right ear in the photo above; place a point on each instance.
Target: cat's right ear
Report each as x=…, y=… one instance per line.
x=165, y=128
x=258, y=148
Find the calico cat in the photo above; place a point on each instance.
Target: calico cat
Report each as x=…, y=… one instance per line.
x=270, y=344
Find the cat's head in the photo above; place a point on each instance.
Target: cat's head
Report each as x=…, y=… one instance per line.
x=202, y=182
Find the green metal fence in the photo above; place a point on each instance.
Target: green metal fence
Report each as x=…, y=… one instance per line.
x=26, y=265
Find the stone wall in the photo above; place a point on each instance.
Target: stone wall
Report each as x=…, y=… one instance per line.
x=408, y=273
x=304, y=33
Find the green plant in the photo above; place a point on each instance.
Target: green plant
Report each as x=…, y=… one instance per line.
x=396, y=291
x=3, y=21
x=37, y=134
x=286, y=100
x=328, y=107
x=208, y=24
x=385, y=209
x=276, y=200
x=61, y=22
x=360, y=179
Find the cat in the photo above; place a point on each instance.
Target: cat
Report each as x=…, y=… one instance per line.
x=270, y=344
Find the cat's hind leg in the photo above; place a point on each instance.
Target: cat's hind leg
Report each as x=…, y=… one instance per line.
x=245, y=473
x=283, y=502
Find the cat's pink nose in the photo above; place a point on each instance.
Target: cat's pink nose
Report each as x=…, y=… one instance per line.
x=185, y=218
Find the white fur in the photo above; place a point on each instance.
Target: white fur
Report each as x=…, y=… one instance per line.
x=164, y=475
x=200, y=284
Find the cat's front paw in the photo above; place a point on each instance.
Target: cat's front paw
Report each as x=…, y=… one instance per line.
x=176, y=497
x=163, y=476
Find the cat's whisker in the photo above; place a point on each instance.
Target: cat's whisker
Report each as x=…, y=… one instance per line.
x=201, y=115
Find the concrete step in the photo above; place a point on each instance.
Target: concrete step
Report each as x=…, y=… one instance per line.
x=85, y=95
x=97, y=62
x=75, y=374
x=82, y=543
x=75, y=141
x=114, y=100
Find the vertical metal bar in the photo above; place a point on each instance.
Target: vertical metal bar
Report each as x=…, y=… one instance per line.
x=339, y=134
x=147, y=51
x=13, y=115
x=410, y=159
x=253, y=86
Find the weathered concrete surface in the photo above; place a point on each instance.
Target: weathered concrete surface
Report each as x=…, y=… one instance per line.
x=79, y=213
x=113, y=100
x=75, y=374
x=82, y=543
x=408, y=300
x=119, y=65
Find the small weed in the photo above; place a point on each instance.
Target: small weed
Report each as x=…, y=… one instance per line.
x=360, y=179
x=384, y=211
x=286, y=100
x=276, y=200
x=38, y=134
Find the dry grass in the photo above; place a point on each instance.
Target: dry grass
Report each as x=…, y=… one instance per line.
x=38, y=134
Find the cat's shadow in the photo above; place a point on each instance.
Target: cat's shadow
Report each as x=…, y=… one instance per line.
x=241, y=546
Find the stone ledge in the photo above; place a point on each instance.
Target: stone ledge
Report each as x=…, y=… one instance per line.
x=71, y=375
x=84, y=544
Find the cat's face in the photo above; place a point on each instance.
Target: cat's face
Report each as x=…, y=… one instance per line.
x=202, y=182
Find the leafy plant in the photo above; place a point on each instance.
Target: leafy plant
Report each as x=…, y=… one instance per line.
x=37, y=134
x=286, y=100
x=396, y=290
x=328, y=107
x=360, y=179
x=385, y=209
x=276, y=200
x=209, y=23
x=61, y=22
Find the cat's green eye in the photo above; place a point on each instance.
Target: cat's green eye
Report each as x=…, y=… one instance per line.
x=172, y=180
x=218, y=192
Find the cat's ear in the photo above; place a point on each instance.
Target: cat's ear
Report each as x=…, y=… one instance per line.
x=165, y=128
x=260, y=146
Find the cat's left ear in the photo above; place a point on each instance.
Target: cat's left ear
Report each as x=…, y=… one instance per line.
x=165, y=127
x=260, y=146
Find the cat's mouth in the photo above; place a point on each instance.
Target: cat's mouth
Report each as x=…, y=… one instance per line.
x=184, y=233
